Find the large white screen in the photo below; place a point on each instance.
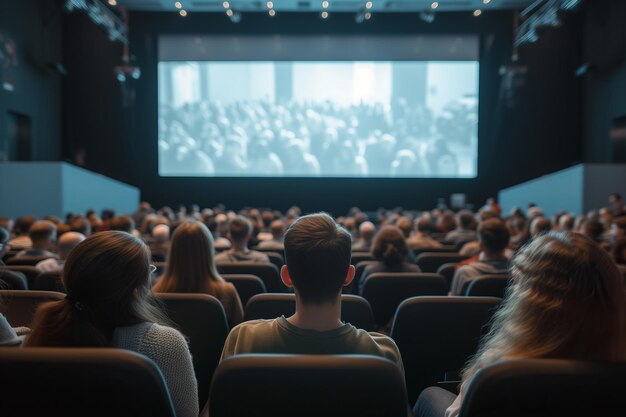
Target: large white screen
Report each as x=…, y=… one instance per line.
x=357, y=118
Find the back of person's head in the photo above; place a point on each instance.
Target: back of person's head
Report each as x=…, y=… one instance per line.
x=465, y=220
x=277, y=227
x=566, y=222
x=6, y=223
x=42, y=233
x=593, y=229
x=80, y=225
x=423, y=225
x=161, y=233
x=566, y=301
x=191, y=260
x=446, y=222
x=317, y=254
x=107, y=214
x=539, y=225
x=494, y=236
x=405, y=224
x=107, y=278
x=240, y=229
x=23, y=225
x=67, y=242
x=122, y=224
x=4, y=239
x=390, y=246
x=367, y=231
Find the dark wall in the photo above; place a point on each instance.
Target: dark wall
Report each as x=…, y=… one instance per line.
x=605, y=83
x=35, y=28
x=539, y=134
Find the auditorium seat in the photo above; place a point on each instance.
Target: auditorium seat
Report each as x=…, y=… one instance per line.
x=30, y=272
x=49, y=281
x=81, y=382
x=431, y=261
x=441, y=249
x=546, y=387
x=11, y=280
x=19, y=306
x=308, y=386
x=436, y=335
x=246, y=285
x=361, y=256
x=8, y=255
x=353, y=288
x=276, y=258
x=385, y=291
x=354, y=310
x=267, y=272
x=447, y=271
x=201, y=318
x=487, y=286
x=27, y=260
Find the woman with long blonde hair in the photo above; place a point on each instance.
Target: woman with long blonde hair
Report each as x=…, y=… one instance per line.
x=191, y=269
x=566, y=301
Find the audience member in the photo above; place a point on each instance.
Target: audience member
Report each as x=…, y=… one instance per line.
x=391, y=254
x=421, y=239
x=65, y=244
x=566, y=223
x=619, y=247
x=464, y=231
x=191, y=269
x=615, y=205
x=21, y=229
x=494, y=239
x=108, y=303
x=80, y=225
x=520, y=232
x=122, y=224
x=160, y=244
x=4, y=242
x=240, y=232
x=42, y=235
x=277, y=228
x=6, y=223
x=538, y=226
x=8, y=336
x=366, y=236
x=317, y=252
x=563, y=286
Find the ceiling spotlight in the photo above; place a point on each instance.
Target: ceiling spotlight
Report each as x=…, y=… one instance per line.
x=183, y=12
x=486, y=1
x=369, y=5
x=434, y=5
x=113, y=2
x=272, y=12
x=324, y=15
x=477, y=12
x=362, y=16
x=325, y=4
x=178, y=5
x=367, y=16
x=226, y=5
x=270, y=5
x=233, y=16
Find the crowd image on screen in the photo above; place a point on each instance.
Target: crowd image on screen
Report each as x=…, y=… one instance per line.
x=300, y=138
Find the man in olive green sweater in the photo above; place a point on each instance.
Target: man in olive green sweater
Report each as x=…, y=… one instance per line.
x=317, y=252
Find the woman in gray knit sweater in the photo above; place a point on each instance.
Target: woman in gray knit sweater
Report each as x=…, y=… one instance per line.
x=108, y=304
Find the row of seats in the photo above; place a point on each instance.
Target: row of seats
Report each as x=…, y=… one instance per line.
x=435, y=335
x=112, y=382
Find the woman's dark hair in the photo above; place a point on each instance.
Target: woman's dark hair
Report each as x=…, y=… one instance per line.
x=390, y=246
x=107, y=278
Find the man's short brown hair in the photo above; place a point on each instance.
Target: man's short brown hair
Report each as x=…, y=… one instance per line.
x=317, y=254
x=240, y=228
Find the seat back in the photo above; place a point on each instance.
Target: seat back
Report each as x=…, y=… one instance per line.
x=447, y=271
x=11, y=280
x=440, y=249
x=82, y=382
x=361, y=256
x=354, y=310
x=437, y=335
x=487, y=286
x=546, y=387
x=50, y=281
x=385, y=291
x=8, y=255
x=307, y=386
x=431, y=261
x=201, y=318
x=267, y=272
x=246, y=285
x=27, y=260
x=19, y=307
x=30, y=272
